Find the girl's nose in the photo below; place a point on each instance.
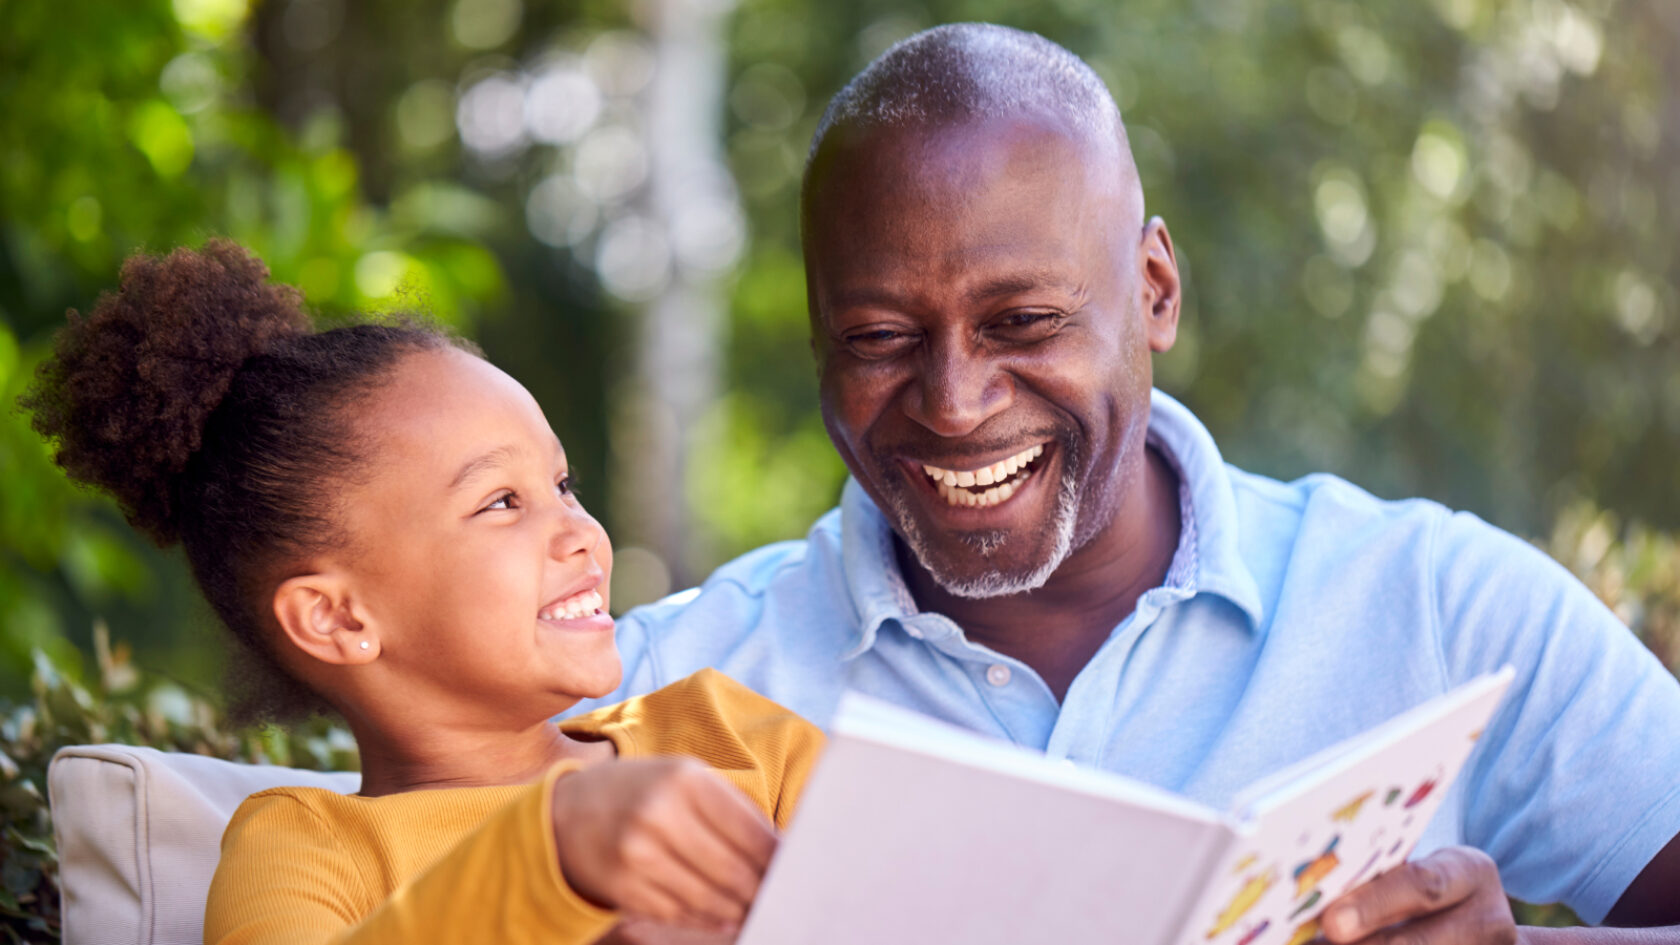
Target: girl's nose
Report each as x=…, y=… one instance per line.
x=575, y=531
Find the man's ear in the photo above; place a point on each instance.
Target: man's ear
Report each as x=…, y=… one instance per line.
x=1161, y=289
x=316, y=615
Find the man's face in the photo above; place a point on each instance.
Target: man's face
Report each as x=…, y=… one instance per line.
x=983, y=308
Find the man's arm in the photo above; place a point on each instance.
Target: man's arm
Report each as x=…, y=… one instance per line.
x=1653, y=898
x=1454, y=896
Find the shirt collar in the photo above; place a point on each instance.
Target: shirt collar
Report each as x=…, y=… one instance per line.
x=1208, y=558
x=1219, y=567
x=873, y=577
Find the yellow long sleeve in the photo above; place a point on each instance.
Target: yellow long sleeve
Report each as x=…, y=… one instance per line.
x=304, y=866
x=306, y=880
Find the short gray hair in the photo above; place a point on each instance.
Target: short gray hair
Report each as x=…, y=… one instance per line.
x=967, y=71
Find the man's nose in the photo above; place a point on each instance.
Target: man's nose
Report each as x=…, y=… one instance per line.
x=958, y=389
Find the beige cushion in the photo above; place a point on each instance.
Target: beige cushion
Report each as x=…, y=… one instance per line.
x=139, y=832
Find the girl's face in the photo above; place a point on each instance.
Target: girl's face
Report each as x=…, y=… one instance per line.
x=474, y=561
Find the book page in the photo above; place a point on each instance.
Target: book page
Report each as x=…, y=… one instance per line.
x=1319, y=828
x=914, y=832
x=882, y=722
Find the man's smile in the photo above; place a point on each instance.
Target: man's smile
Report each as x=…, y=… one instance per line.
x=987, y=485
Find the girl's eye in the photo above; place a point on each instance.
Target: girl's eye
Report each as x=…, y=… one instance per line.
x=507, y=500
x=565, y=486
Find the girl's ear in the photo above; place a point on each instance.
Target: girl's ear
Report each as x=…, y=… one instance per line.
x=316, y=615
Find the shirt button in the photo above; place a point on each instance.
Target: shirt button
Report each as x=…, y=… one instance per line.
x=998, y=674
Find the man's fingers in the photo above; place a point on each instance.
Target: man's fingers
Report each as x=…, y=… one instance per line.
x=1433, y=884
x=1463, y=924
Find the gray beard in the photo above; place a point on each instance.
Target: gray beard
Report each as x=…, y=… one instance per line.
x=1063, y=521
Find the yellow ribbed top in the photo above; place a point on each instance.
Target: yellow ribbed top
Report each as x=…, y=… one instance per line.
x=302, y=866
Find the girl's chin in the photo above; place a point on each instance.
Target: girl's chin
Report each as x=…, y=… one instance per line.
x=594, y=682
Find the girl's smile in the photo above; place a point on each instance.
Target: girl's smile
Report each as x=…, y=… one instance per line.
x=471, y=559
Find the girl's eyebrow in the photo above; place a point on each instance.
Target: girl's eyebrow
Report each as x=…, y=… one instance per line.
x=500, y=456
x=482, y=463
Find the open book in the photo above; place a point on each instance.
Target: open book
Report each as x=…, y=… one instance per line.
x=913, y=831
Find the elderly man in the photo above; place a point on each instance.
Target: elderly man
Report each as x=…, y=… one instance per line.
x=1037, y=545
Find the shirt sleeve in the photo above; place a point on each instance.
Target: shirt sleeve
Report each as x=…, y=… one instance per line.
x=1577, y=783
x=785, y=746
x=284, y=879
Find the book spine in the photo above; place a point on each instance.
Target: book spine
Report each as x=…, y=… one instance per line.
x=1216, y=849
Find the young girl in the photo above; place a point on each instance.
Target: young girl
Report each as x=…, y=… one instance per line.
x=385, y=522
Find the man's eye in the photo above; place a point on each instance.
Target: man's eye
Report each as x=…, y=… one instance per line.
x=1029, y=325
x=881, y=342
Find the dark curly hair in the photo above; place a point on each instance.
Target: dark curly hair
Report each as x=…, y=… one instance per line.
x=200, y=396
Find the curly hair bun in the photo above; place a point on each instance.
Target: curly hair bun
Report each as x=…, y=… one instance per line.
x=130, y=387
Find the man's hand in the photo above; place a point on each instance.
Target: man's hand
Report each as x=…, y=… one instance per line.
x=1451, y=897
x=663, y=839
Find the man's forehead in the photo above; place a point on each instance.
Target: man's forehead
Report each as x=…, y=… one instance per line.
x=945, y=142
x=991, y=182
x=973, y=282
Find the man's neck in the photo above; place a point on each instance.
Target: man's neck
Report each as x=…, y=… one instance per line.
x=1057, y=628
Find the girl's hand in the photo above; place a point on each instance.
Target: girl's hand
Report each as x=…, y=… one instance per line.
x=649, y=932
x=666, y=839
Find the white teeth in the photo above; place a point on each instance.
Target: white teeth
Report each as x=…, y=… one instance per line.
x=582, y=605
x=955, y=486
x=967, y=498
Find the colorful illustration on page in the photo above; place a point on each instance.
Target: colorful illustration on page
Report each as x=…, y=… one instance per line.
x=1309, y=849
x=1247, y=895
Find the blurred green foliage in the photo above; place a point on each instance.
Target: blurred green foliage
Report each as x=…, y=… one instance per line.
x=137, y=129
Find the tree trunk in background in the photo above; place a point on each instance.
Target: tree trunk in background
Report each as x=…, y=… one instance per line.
x=677, y=366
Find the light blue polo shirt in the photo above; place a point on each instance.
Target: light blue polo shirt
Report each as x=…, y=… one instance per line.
x=1294, y=615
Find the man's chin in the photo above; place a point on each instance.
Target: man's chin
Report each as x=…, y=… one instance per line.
x=984, y=584
x=987, y=563
x=1020, y=550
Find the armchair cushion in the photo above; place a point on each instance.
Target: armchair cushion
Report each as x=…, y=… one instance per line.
x=139, y=832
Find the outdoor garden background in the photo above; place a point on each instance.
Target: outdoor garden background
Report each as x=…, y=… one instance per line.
x=1429, y=245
